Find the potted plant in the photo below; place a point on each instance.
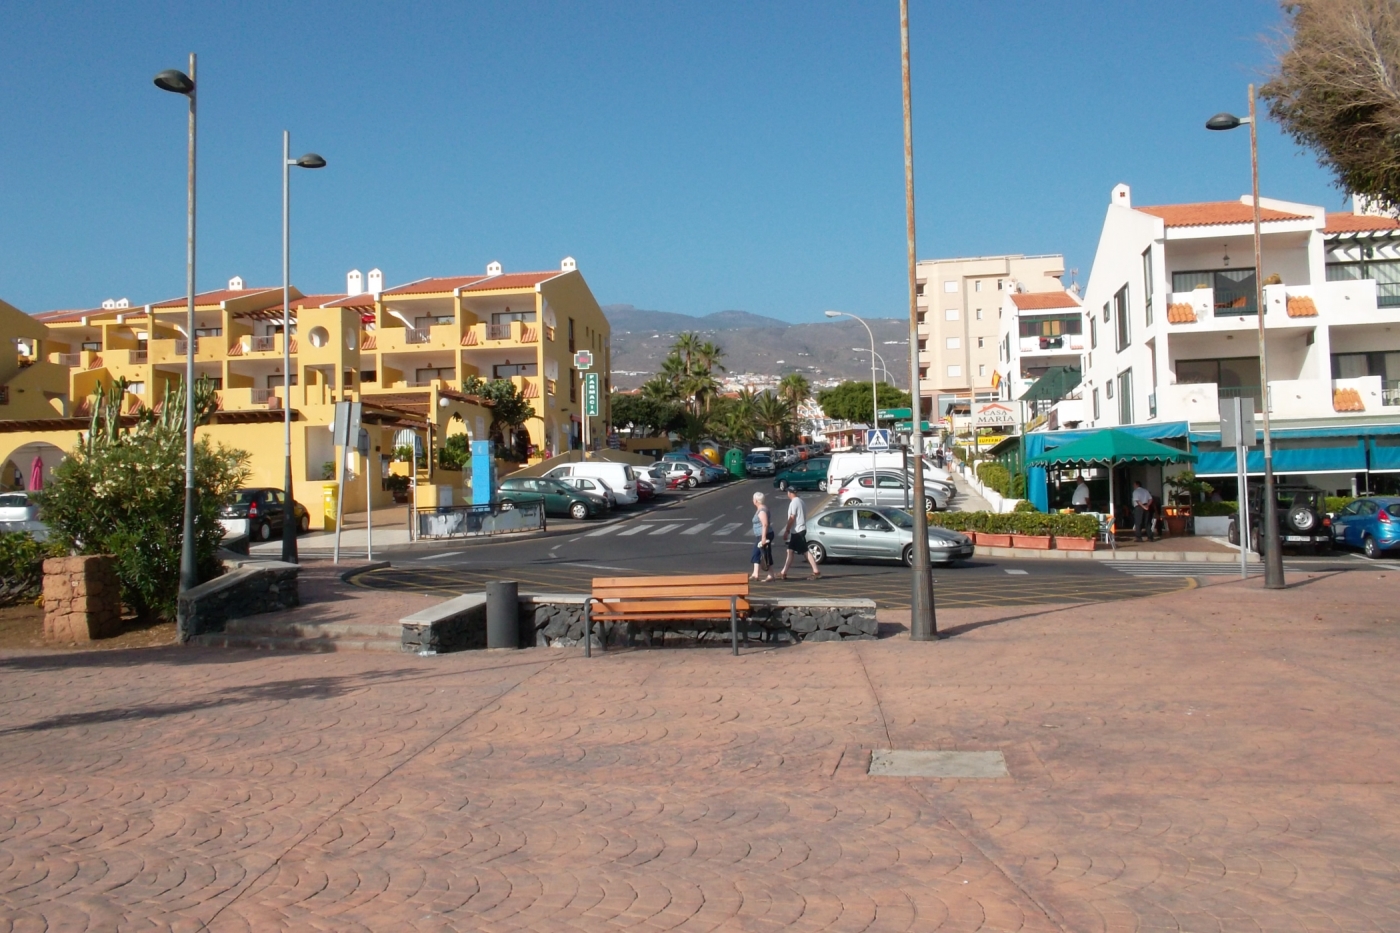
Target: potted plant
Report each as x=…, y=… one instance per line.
x=398, y=485
x=993, y=530
x=1030, y=530
x=1075, y=532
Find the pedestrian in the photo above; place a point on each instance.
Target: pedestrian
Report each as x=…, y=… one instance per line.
x=1142, y=512
x=795, y=535
x=1080, y=499
x=763, y=540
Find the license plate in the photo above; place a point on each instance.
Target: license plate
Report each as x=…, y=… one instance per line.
x=1296, y=538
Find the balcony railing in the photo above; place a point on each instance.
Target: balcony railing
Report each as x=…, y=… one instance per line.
x=417, y=334
x=1390, y=392
x=1052, y=343
x=136, y=357
x=70, y=359
x=263, y=344
x=498, y=331
x=264, y=397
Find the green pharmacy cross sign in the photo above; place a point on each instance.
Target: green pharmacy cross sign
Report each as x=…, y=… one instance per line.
x=591, y=406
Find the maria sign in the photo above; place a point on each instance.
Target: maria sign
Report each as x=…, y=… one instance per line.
x=995, y=415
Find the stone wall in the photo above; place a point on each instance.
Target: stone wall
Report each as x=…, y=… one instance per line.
x=82, y=598
x=247, y=590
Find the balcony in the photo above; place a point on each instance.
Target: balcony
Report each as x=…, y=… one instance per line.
x=244, y=399
x=511, y=332
x=435, y=337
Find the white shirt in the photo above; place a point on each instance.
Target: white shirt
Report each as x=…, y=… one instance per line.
x=1081, y=494
x=797, y=514
x=1141, y=496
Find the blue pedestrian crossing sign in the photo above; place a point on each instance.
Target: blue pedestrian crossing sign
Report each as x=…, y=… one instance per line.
x=877, y=439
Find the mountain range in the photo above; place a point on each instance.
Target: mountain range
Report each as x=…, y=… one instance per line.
x=753, y=343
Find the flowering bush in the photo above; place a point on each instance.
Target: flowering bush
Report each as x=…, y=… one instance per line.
x=122, y=492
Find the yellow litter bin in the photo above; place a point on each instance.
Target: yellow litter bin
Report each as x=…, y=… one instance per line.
x=330, y=495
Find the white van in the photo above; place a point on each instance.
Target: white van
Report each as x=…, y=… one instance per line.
x=845, y=465
x=620, y=477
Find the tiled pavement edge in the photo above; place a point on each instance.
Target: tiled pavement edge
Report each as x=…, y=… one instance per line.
x=1219, y=759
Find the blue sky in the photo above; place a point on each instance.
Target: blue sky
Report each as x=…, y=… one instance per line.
x=693, y=157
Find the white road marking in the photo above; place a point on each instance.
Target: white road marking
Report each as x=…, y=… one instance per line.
x=635, y=529
x=697, y=529
x=442, y=556
x=728, y=529
x=606, y=529
x=664, y=529
x=1021, y=572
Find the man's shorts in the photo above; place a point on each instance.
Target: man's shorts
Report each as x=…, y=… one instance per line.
x=797, y=541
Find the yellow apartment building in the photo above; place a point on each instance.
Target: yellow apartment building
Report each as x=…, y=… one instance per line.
x=403, y=352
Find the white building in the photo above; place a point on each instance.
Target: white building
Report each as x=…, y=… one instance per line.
x=1042, y=338
x=1171, y=328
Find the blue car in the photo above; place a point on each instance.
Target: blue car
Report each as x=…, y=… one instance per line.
x=1372, y=524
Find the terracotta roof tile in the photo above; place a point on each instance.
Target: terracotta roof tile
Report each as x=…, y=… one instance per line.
x=1347, y=400
x=512, y=280
x=1209, y=213
x=1301, y=306
x=1345, y=222
x=363, y=300
x=1043, y=301
x=434, y=286
x=218, y=296
x=1181, y=313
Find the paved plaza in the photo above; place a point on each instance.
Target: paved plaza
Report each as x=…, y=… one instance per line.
x=1215, y=759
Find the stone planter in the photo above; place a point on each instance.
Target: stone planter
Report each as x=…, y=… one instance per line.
x=1214, y=526
x=1031, y=542
x=1176, y=525
x=1074, y=544
x=987, y=539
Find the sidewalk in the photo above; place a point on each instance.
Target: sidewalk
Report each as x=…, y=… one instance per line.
x=968, y=499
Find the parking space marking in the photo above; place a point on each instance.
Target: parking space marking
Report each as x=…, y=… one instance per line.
x=1018, y=572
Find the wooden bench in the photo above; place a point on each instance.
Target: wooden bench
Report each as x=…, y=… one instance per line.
x=653, y=600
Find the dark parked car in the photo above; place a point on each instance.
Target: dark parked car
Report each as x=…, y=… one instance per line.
x=558, y=498
x=264, y=508
x=805, y=474
x=1372, y=524
x=1302, y=518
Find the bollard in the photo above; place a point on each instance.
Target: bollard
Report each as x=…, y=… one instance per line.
x=503, y=614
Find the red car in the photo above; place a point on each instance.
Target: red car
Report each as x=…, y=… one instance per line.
x=645, y=490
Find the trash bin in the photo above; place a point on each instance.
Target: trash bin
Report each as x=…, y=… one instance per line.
x=734, y=462
x=329, y=498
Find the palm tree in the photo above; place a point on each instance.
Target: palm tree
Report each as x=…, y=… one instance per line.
x=702, y=387
x=685, y=347
x=708, y=356
x=659, y=389
x=773, y=413
x=795, y=388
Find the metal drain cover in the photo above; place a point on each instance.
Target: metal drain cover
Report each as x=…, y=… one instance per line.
x=904, y=763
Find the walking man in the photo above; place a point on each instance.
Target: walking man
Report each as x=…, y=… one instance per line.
x=763, y=540
x=1142, y=512
x=795, y=535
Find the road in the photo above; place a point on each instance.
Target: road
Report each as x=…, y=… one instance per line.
x=707, y=531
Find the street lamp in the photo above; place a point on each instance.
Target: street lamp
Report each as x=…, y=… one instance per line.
x=1273, y=554
x=874, y=399
x=883, y=367
x=177, y=82
x=289, y=523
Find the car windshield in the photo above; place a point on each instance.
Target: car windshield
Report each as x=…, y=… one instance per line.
x=244, y=496
x=1393, y=509
x=14, y=500
x=899, y=518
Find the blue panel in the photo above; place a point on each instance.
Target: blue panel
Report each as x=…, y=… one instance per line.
x=1359, y=430
x=483, y=472
x=1037, y=487
x=1302, y=460
x=1384, y=458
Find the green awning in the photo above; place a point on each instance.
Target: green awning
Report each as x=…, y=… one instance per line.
x=1108, y=447
x=1057, y=382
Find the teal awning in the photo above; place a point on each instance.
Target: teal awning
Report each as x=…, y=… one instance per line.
x=1108, y=447
x=1055, y=384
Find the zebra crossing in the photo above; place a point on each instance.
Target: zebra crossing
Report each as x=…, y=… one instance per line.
x=1181, y=568
x=662, y=527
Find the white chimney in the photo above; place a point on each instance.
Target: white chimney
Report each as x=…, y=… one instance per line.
x=108, y=304
x=1122, y=196
x=235, y=284
x=354, y=283
x=568, y=265
x=493, y=268
x=376, y=281
x=123, y=303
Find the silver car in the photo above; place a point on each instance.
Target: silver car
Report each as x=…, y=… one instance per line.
x=888, y=487
x=880, y=534
x=590, y=484
x=16, y=507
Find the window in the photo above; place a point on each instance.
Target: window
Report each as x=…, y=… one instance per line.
x=1108, y=389
x=573, y=376
x=506, y=370
x=497, y=317
x=1234, y=289
x=1125, y=397
x=1000, y=283
x=571, y=335
x=1234, y=377
x=1055, y=325
x=368, y=375
x=951, y=314
x=981, y=369
x=953, y=343
x=1096, y=404
x=950, y=286
x=1120, y=308
x=873, y=521
x=842, y=519
x=977, y=286
x=955, y=371
x=979, y=314
x=1355, y=365
x=1386, y=274
x=981, y=342
x=919, y=290
x=1147, y=282
x=424, y=376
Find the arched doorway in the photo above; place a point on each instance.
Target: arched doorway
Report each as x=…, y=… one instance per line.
x=18, y=470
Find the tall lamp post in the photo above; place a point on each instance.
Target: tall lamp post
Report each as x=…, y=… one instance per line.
x=289, y=519
x=874, y=400
x=923, y=623
x=1273, y=554
x=883, y=368
x=177, y=82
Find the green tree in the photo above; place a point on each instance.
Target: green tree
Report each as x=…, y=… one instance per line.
x=774, y=414
x=1336, y=90
x=644, y=415
x=850, y=401
x=509, y=408
x=795, y=388
x=122, y=492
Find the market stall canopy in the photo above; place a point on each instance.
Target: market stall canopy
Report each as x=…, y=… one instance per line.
x=1108, y=448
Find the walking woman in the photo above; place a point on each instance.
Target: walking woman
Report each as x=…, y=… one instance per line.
x=763, y=539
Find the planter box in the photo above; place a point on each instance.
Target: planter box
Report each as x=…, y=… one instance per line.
x=1074, y=544
x=1214, y=526
x=1031, y=542
x=986, y=539
x=1176, y=525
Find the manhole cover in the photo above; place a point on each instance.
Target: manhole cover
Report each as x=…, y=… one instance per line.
x=904, y=763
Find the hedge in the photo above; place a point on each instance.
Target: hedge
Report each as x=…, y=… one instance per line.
x=1214, y=509
x=1337, y=503
x=22, y=566
x=1019, y=523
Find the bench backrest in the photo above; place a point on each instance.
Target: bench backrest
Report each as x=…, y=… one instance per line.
x=714, y=585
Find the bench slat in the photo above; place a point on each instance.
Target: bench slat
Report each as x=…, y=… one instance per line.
x=663, y=617
x=646, y=592
x=668, y=605
x=684, y=580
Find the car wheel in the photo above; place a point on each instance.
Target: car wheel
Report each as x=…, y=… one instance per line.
x=821, y=485
x=1232, y=532
x=1258, y=535
x=782, y=485
x=263, y=531
x=908, y=556
x=1372, y=548
x=507, y=505
x=930, y=505
x=1302, y=519
x=304, y=524
x=578, y=511
x=817, y=552
x=852, y=502
x=691, y=482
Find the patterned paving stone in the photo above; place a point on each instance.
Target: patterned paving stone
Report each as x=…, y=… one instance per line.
x=1220, y=759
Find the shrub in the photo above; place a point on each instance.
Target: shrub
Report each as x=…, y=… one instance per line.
x=1017, y=489
x=1029, y=523
x=454, y=454
x=1026, y=505
x=1337, y=503
x=122, y=492
x=994, y=476
x=1074, y=526
x=953, y=521
x=1214, y=509
x=22, y=566
x=396, y=483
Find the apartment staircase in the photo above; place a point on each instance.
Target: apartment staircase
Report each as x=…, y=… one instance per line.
x=275, y=632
